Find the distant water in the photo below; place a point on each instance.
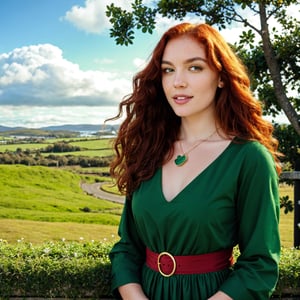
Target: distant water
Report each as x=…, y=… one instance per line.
x=88, y=133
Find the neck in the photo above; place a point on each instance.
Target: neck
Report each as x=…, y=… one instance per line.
x=192, y=132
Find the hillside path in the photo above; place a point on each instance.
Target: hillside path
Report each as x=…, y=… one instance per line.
x=95, y=190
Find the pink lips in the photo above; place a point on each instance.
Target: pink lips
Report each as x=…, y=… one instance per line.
x=182, y=99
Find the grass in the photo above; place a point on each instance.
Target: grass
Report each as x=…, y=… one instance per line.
x=29, y=146
x=90, y=146
x=287, y=220
x=14, y=231
x=110, y=188
x=51, y=195
x=93, y=144
x=40, y=204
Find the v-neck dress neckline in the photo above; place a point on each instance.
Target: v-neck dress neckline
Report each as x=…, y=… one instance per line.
x=195, y=179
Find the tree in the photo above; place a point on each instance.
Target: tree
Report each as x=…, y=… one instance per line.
x=273, y=61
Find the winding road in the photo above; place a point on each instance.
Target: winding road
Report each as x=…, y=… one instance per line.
x=94, y=189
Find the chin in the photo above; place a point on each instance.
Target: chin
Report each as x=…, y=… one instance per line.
x=182, y=114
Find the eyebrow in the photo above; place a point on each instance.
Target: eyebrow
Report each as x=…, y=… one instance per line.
x=189, y=60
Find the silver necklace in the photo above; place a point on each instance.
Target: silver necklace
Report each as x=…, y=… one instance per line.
x=181, y=159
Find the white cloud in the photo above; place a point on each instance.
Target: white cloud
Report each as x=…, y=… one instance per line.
x=163, y=23
x=104, y=61
x=139, y=63
x=36, y=116
x=40, y=75
x=91, y=17
x=294, y=11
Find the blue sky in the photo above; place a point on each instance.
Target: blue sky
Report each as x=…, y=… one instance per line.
x=58, y=64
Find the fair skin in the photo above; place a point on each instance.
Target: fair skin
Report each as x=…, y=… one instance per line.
x=190, y=86
x=132, y=291
x=188, y=82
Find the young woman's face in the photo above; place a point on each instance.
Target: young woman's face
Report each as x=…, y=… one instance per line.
x=188, y=82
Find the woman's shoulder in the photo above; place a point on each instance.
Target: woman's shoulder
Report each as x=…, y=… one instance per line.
x=249, y=145
x=252, y=150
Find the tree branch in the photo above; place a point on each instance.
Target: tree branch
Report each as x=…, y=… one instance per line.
x=275, y=71
x=238, y=18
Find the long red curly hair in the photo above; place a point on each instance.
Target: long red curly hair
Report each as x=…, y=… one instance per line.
x=146, y=136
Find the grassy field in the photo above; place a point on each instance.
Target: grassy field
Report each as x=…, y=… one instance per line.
x=93, y=144
x=287, y=220
x=45, y=202
x=35, y=232
x=14, y=147
x=90, y=146
x=55, y=194
x=39, y=204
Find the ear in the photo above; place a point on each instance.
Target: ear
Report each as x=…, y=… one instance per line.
x=220, y=84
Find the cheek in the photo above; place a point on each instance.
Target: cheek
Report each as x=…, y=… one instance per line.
x=165, y=84
x=208, y=84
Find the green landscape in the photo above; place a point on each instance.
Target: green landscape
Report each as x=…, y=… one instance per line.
x=40, y=204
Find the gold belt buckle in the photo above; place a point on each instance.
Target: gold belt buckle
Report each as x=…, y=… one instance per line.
x=158, y=264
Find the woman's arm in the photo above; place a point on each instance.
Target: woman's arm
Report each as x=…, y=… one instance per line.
x=256, y=271
x=132, y=291
x=127, y=257
x=220, y=296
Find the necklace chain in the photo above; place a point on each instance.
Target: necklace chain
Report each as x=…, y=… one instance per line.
x=181, y=159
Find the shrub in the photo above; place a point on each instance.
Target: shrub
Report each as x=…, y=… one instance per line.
x=82, y=270
x=289, y=274
x=86, y=209
x=60, y=269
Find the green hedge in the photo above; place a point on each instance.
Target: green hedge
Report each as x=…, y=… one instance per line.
x=55, y=270
x=82, y=270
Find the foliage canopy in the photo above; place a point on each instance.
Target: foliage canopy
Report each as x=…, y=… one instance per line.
x=271, y=52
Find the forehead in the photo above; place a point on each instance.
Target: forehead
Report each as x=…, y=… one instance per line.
x=183, y=48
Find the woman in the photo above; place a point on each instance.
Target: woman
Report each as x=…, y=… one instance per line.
x=199, y=168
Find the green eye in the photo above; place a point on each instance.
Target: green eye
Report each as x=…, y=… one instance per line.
x=195, y=68
x=167, y=70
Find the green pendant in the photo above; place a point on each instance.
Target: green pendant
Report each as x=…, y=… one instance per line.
x=180, y=160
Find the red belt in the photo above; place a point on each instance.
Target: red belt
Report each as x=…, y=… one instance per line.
x=167, y=264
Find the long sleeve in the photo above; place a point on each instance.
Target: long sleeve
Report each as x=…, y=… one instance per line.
x=128, y=255
x=257, y=207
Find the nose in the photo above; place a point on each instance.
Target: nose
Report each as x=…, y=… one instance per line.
x=179, y=81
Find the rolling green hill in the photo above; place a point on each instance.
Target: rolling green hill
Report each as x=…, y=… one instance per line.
x=44, y=194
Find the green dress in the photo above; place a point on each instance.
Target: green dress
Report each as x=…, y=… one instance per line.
x=234, y=201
